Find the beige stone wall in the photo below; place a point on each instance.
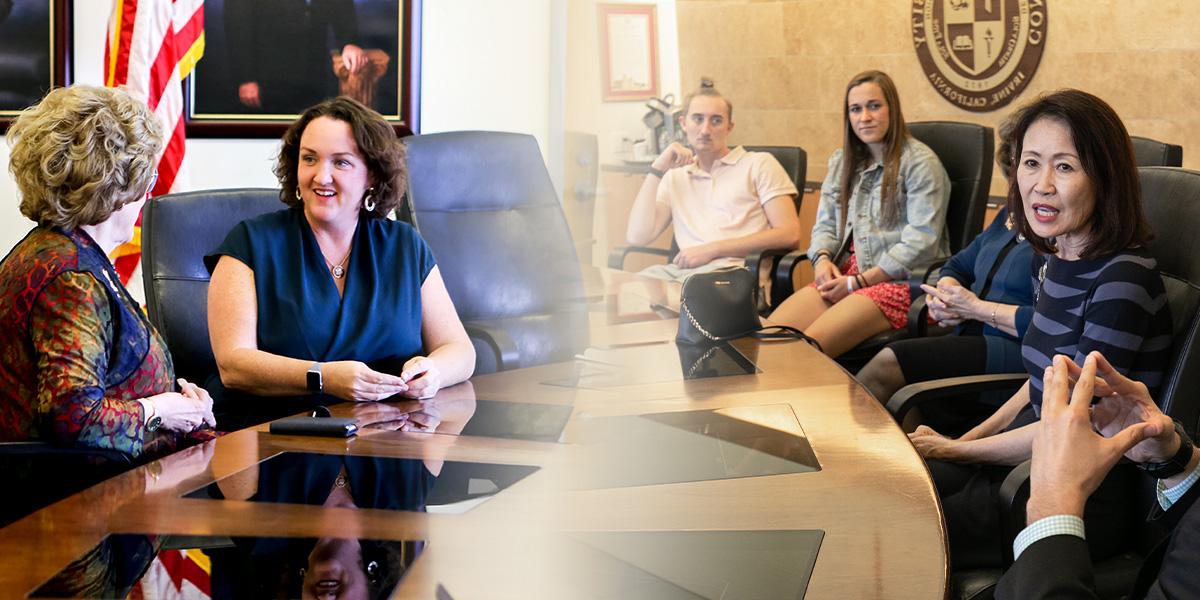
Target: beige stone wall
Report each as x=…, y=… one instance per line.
x=785, y=64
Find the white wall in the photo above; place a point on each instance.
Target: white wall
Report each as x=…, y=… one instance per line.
x=585, y=110
x=485, y=65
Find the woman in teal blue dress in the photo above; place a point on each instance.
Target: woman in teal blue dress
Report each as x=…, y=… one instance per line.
x=327, y=298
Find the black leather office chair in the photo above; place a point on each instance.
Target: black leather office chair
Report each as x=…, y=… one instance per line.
x=485, y=204
x=177, y=231
x=1171, y=200
x=795, y=163
x=1153, y=153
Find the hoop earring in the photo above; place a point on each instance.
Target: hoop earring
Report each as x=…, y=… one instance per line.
x=369, y=201
x=298, y=194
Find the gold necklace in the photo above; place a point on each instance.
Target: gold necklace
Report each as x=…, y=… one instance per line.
x=337, y=270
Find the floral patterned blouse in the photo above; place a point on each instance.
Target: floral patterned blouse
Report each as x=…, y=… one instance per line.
x=76, y=352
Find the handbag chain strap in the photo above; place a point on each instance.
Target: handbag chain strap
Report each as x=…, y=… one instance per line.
x=700, y=361
x=691, y=319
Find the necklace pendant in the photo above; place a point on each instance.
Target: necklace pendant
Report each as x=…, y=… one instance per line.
x=340, y=481
x=338, y=272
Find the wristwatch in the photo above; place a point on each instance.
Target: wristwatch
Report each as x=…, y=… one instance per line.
x=1176, y=464
x=315, y=383
x=153, y=422
x=659, y=173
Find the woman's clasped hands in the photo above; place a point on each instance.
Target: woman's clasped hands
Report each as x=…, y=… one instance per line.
x=950, y=303
x=355, y=381
x=189, y=409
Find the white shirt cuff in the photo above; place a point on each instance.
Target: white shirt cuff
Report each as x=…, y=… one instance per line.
x=1046, y=527
x=1167, y=497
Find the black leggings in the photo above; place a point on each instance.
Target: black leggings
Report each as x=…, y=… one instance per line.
x=927, y=359
x=974, y=512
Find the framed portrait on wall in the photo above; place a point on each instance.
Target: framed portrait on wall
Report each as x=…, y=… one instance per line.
x=265, y=61
x=629, y=51
x=35, y=51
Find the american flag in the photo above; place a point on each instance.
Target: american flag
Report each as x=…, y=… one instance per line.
x=152, y=45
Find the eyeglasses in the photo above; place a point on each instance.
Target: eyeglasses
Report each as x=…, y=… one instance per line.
x=153, y=181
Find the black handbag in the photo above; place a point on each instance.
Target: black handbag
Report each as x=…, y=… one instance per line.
x=721, y=305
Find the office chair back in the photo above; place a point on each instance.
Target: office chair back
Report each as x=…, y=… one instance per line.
x=794, y=161
x=177, y=231
x=1153, y=153
x=485, y=204
x=1171, y=200
x=966, y=151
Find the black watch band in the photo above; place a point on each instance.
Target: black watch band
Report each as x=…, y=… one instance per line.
x=659, y=173
x=313, y=379
x=1176, y=464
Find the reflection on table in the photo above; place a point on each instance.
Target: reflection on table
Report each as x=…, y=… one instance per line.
x=639, y=470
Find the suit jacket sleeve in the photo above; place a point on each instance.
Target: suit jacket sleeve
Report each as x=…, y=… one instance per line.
x=1177, y=576
x=1056, y=567
x=239, y=27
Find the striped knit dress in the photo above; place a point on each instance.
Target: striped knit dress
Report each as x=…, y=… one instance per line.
x=1114, y=304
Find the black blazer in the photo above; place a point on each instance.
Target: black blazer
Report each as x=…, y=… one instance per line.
x=285, y=46
x=1059, y=566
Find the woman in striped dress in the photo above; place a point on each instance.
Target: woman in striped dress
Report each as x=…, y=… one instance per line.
x=1074, y=194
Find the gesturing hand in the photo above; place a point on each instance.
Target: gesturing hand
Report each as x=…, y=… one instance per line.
x=1123, y=403
x=1070, y=458
x=423, y=376
x=353, y=58
x=355, y=381
x=949, y=302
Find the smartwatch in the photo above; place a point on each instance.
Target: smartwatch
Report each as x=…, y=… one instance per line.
x=316, y=384
x=1176, y=464
x=659, y=173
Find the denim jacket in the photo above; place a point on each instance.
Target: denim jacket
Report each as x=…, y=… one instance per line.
x=918, y=236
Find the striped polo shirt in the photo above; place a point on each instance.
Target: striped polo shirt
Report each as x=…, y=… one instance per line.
x=1114, y=304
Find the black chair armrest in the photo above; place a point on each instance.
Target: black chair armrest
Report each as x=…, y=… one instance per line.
x=29, y=448
x=507, y=355
x=916, y=394
x=616, y=257
x=754, y=262
x=781, y=279
x=922, y=275
x=1014, y=494
x=918, y=317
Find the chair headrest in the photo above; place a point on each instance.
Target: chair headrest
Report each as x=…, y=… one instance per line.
x=477, y=170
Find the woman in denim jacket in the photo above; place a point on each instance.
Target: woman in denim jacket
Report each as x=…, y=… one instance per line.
x=894, y=191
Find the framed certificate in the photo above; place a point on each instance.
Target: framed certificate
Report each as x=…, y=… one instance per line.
x=629, y=51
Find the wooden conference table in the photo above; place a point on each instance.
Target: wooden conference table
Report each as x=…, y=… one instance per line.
x=657, y=487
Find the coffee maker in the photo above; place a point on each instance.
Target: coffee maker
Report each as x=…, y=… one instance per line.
x=663, y=124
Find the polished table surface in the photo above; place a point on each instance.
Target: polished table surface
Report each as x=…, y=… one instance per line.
x=872, y=497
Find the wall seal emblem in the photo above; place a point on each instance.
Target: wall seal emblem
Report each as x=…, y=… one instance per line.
x=979, y=54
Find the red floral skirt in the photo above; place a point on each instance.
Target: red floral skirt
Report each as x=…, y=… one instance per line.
x=893, y=299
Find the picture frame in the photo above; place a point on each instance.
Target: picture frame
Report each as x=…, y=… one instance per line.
x=265, y=42
x=35, y=53
x=629, y=51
